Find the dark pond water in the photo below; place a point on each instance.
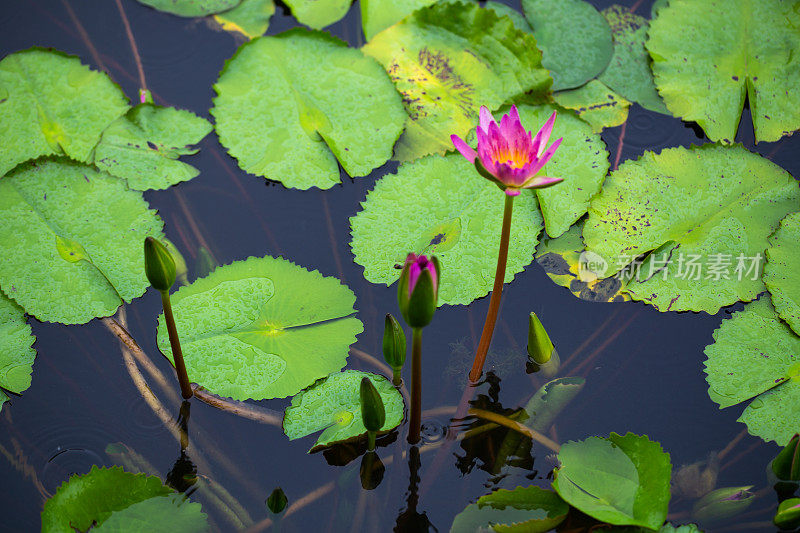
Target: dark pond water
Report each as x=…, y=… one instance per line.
x=643, y=368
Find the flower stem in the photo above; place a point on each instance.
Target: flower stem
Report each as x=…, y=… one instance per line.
x=371, y=441
x=416, y=386
x=497, y=291
x=175, y=344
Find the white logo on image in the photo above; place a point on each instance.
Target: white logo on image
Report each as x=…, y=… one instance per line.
x=591, y=266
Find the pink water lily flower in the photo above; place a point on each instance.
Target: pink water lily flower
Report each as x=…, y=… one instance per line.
x=508, y=154
x=416, y=264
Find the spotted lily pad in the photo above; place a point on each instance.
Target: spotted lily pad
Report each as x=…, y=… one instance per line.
x=629, y=73
x=262, y=328
x=333, y=406
x=522, y=510
x=318, y=13
x=143, y=146
x=712, y=206
x=783, y=263
x=446, y=61
x=460, y=218
x=192, y=8
x=50, y=103
x=596, y=104
x=295, y=121
x=620, y=480
x=72, y=240
x=16, y=349
x=708, y=55
x=756, y=356
x=250, y=18
x=574, y=38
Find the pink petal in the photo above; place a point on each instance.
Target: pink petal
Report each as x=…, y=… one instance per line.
x=513, y=177
x=540, y=182
x=465, y=149
x=544, y=134
x=432, y=270
x=510, y=125
x=512, y=192
x=486, y=118
x=546, y=157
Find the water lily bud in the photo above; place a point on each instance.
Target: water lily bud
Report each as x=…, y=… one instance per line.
x=418, y=290
x=722, y=503
x=786, y=466
x=373, y=413
x=394, y=347
x=276, y=502
x=158, y=265
x=788, y=515
x=540, y=348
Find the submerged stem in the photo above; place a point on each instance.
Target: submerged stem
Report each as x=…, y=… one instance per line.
x=175, y=344
x=415, y=419
x=497, y=291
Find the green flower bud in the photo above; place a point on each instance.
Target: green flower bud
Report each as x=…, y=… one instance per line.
x=276, y=502
x=418, y=290
x=722, y=503
x=786, y=466
x=394, y=343
x=158, y=265
x=788, y=515
x=373, y=414
x=540, y=348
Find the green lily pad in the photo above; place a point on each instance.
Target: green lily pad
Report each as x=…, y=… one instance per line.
x=262, y=328
x=756, y=356
x=72, y=240
x=574, y=38
x=629, y=73
x=446, y=61
x=596, y=104
x=318, y=13
x=250, y=18
x=53, y=104
x=581, y=159
x=783, y=262
x=735, y=48
x=91, y=499
x=143, y=146
x=522, y=510
x=551, y=398
x=295, y=121
x=441, y=206
x=621, y=480
x=377, y=15
x=171, y=513
x=16, y=349
x=561, y=260
x=191, y=8
x=333, y=406
x=713, y=205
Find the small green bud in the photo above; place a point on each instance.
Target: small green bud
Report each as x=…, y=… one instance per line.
x=373, y=413
x=722, y=503
x=540, y=348
x=158, y=265
x=394, y=343
x=418, y=290
x=786, y=466
x=276, y=502
x=788, y=515
x=181, y=270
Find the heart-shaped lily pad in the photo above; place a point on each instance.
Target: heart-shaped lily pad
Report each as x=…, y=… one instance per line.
x=53, y=104
x=441, y=206
x=262, y=328
x=780, y=272
x=756, y=356
x=295, y=121
x=250, y=18
x=16, y=349
x=72, y=241
x=333, y=406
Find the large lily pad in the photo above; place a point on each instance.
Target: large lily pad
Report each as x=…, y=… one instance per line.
x=522, y=510
x=574, y=38
x=333, y=406
x=318, y=13
x=449, y=59
x=441, y=206
x=756, y=356
x=780, y=272
x=143, y=146
x=72, y=241
x=250, y=18
x=91, y=499
x=262, y=328
x=16, y=349
x=708, y=55
x=629, y=73
x=714, y=206
x=192, y=8
x=621, y=480
x=596, y=104
x=295, y=121
x=171, y=513
x=50, y=103
x=377, y=15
